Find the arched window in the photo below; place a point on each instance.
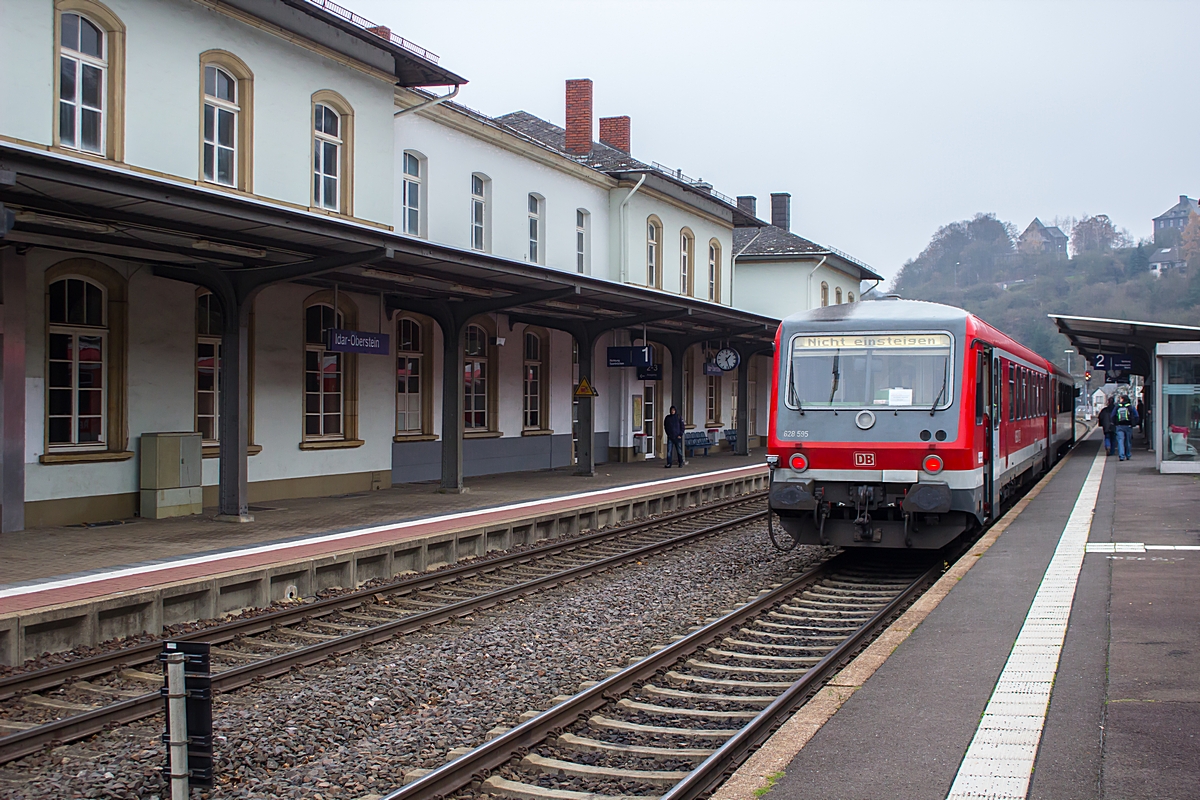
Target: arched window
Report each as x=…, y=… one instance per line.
x=327, y=157
x=687, y=258
x=225, y=122
x=210, y=324
x=90, y=90
x=76, y=359
x=410, y=372
x=324, y=374
x=824, y=294
x=849, y=297
x=534, y=383
x=333, y=152
x=85, y=362
x=82, y=83
x=714, y=270
x=653, y=252
x=837, y=296
x=480, y=213
x=220, y=126
x=536, y=248
x=414, y=179
x=475, y=378
x=582, y=235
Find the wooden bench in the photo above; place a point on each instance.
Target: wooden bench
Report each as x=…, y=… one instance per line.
x=695, y=440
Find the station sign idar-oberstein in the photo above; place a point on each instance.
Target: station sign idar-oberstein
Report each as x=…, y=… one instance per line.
x=340, y=341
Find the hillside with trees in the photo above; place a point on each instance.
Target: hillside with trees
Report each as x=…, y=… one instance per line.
x=977, y=264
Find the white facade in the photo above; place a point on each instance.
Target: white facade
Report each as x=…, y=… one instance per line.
x=781, y=288
x=154, y=73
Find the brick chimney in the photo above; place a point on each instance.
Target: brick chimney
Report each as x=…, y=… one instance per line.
x=579, y=116
x=781, y=210
x=614, y=132
x=748, y=204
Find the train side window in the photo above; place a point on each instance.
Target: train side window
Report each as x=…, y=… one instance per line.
x=979, y=387
x=1012, y=392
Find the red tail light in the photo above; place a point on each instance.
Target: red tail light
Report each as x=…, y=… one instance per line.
x=932, y=464
x=798, y=462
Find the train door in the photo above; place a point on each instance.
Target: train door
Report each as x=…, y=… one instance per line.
x=992, y=457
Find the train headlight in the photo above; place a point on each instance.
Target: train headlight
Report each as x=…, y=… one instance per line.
x=798, y=462
x=932, y=464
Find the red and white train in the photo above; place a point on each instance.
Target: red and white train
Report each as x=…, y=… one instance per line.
x=901, y=423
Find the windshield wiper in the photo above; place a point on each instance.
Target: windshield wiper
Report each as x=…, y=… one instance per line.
x=945, y=380
x=792, y=388
x=837, y=375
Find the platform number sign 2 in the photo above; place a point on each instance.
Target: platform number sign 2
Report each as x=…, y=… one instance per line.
x=1112, y=362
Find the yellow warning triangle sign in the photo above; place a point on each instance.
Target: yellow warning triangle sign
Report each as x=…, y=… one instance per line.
x=584, y=389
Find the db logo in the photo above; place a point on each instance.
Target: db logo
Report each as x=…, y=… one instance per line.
x=864, y=459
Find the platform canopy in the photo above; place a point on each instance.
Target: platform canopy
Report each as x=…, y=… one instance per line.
x=1093, y=335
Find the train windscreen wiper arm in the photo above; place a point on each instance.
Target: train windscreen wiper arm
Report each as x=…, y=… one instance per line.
x=792, y=388
x=837, y=375
x=945, y=380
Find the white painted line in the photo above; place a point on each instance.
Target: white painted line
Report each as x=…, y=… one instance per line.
x=999, y=761
x=1135, y=547
x=186, y=561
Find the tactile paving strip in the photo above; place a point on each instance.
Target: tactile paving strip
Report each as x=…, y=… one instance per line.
x=999, y=762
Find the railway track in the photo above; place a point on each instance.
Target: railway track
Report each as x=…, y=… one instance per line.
x=74, y=700
x=675, y=723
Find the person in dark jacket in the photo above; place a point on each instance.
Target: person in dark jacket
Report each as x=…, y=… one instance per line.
x=1105, y=421
x=1124, y=417
x=673, y=427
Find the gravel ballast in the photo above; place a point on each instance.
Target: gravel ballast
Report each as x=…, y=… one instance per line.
x=352, y=726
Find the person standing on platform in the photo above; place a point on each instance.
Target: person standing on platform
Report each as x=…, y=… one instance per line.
x=673, y=427
x=1124, y=417
x=1105, y=421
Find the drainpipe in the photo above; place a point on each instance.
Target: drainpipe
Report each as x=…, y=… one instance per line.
x=808, y=291
x=624, y=277
x=429, y=103
x=733, y=266
x=870, y=289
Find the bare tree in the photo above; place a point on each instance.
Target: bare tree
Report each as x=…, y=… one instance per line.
x=1094, y=235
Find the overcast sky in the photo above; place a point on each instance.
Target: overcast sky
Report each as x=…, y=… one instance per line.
x=884, y=120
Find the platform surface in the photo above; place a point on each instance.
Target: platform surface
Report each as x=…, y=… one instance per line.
x=45, y=557
x=1124, y=715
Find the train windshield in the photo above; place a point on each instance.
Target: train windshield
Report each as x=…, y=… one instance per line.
x=867, y=370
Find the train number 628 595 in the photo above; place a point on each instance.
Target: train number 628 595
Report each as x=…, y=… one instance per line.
x=795, y=434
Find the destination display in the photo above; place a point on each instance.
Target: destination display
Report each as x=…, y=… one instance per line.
x=875, y=340
x=340, y=341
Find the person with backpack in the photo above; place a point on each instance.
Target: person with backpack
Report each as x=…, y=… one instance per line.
x=1124, y=416
x=1105, y=421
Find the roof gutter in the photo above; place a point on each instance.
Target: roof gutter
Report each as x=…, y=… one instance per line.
x=733, y=264
x=429, y=103
x=808, y=290
x=624, y=276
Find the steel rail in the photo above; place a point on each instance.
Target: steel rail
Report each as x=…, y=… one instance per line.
x=40, y=680
x=453, y=776
x=23, y=743
x=710, y=772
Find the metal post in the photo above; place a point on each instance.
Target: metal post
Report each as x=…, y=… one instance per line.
x=585, y=456
x=743, y=411
x=178, y=739
x=234, y=399
x=12, y=393
x=452, y=408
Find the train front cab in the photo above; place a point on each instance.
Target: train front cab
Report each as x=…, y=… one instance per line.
x=872, y=442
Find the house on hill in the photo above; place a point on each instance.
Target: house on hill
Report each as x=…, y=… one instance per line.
x=1166, y=259
x=1169, y=225
x=1039, y=238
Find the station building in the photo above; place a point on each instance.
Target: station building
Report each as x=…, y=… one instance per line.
x=265, y=223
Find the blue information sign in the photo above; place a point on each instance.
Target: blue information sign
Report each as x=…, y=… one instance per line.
x=711, y=369
x=340, y=341
x=630, y=356
x=1112, y=361
x=650, y=373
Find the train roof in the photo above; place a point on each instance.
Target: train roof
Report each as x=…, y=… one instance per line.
x=890, y=311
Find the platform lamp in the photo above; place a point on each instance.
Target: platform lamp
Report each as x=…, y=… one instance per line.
x=1070, y=352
